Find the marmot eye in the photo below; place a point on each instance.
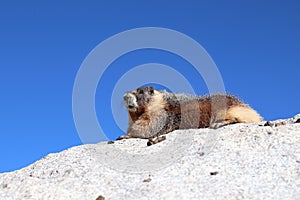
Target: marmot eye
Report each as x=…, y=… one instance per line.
x=151, y=92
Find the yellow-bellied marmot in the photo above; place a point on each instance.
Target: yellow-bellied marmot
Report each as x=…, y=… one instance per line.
x=152, y=113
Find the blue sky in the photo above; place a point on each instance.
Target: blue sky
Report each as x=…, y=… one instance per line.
x=255, y=45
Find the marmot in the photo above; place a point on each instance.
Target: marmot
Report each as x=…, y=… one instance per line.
x=152, y=113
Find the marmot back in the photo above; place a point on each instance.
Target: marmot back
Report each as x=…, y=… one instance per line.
x=152, y=113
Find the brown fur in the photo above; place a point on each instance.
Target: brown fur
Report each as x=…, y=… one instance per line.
x=153, y=113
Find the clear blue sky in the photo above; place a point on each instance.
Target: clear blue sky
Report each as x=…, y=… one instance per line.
x=255, y=44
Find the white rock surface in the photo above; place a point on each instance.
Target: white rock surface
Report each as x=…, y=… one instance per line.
x=241, y=161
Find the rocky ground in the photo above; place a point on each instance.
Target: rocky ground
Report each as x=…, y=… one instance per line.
x=240, y=161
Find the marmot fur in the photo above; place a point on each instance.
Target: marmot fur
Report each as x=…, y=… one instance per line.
x=152, y=113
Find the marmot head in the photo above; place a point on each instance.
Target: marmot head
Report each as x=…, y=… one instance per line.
x=137, y=100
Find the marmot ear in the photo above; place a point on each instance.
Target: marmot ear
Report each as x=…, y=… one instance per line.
x=151, y=90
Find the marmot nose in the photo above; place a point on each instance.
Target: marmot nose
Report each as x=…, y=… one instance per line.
x=125, y=97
